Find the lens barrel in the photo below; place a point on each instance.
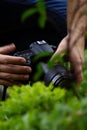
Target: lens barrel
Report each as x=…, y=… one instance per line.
x=58, y=76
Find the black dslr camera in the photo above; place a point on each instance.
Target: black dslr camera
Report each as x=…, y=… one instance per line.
x=58, y=74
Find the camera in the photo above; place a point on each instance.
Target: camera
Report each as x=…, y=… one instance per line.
x=39, y=52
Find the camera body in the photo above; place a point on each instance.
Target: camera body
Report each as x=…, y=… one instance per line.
x=42, y=51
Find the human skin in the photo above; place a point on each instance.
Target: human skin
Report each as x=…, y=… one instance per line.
x=74, y=42
x=12, y=68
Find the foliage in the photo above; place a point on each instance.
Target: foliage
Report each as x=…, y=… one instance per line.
x=41, y=108
x=40, y=9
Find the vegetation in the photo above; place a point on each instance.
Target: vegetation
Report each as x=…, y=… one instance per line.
x=40, y=9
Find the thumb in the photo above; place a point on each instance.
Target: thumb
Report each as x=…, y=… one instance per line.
x=7, y=48
x=62, y=47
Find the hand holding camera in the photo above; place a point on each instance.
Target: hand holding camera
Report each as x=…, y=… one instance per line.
x=58, y=75
x=12, y=68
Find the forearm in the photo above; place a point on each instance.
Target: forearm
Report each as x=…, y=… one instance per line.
x=73, y=43
x=76, y=13
x=77, y=21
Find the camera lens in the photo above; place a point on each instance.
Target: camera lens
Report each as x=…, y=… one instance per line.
x=58, y=76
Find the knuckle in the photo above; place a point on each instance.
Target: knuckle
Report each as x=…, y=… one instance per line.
x=81, y=61
x=5, y=61
x=8, y=76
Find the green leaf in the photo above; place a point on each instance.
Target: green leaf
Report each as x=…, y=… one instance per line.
x=28, y=13
x=41, y=8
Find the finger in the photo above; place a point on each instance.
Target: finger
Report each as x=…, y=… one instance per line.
x=63, y=45
x=17, y=77
x=9, y=83
x=15, y=69
x=6, y=59
x=7, y=48
x=77, y=71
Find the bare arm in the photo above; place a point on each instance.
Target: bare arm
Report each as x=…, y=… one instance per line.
x=76, y=26
x=74, y=42
x=76, y=18
x=75, y=13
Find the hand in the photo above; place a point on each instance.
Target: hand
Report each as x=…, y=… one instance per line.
x=12, y=68
x=75, y=53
